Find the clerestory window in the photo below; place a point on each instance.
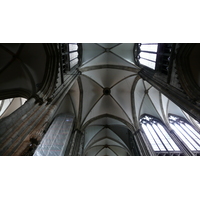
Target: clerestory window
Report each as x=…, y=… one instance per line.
x=73, y=54
x=186, y=132
x=147, y=54
x=69, y=55
x=156, y=56
x=158, y=136
x=55, y=141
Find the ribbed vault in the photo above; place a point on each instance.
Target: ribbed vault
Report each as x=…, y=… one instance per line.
x=108, y=73
x=107, y=136
x=148, y=100
x=22, y=72
x=22, y=69
x=112, y=95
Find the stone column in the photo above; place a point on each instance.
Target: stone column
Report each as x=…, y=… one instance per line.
x=176, y=96
x=31, y=121
x=76, y=144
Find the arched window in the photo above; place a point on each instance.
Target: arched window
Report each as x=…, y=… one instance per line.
x=158, y=136
x=55, y=141
x=186, y=132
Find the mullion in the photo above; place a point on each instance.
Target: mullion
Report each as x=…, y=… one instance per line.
x=171, y=142
x=149, y=57
x=159, y=137
x=73, y=63
x=74, y=57
x=165, y=139
x=192, y=135
x=148, y=60
x=154, y=135
x=184, y=136
x=194, y=131
x=190, y=139
x=150, y=137
x=73, y=51
x=68, y=58
x=145, y=51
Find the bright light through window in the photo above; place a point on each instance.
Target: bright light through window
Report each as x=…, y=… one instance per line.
x=73, y=47
x=149, y=47
x=73, y=55
x=157, y=135
x=73, y=62
x=148, y=63
x=186, y=132
x=148, y=55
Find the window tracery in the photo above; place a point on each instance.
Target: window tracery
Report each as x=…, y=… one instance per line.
x=186, y=132
x=158, y=136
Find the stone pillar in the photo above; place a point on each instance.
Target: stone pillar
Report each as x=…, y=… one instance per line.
x=176, y=96
x=31, y=121
x=82, y=142
x=76, y=144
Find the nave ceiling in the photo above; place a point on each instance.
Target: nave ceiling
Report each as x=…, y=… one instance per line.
x=108, y=98
x=113, y=95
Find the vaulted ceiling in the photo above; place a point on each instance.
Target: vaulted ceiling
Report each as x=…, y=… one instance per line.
x=105, y=110
x=113, y=97
x=22, y=69
x=108, y=98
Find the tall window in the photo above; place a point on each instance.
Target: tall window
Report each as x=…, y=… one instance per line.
x=158, y=136
x=69, y=56
x=56, y=139
x=186, y=132
x=73, y=54
x=147, y=54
